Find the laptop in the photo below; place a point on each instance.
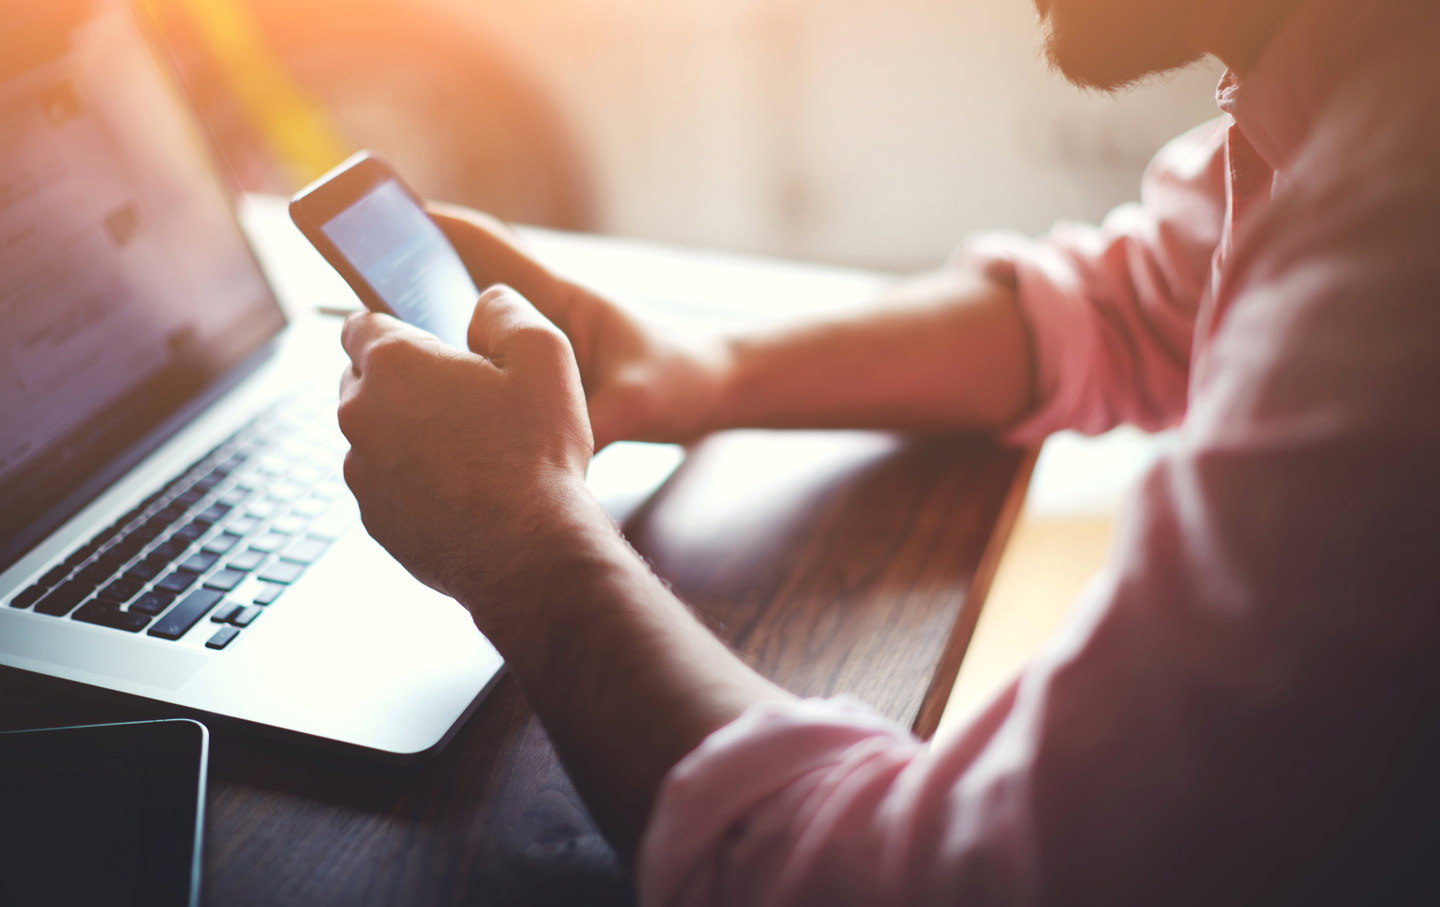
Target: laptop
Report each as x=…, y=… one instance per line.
x=173, y=522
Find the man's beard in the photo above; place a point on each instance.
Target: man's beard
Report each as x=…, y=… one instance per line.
x=1112, y=44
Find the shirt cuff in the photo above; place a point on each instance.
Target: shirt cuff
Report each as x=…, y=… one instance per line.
x=733, y=772
x=1046, y=288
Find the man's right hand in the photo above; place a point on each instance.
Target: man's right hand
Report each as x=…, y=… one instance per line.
x=642, y=382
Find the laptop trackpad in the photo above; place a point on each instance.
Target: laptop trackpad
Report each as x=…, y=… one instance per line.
x=55, y=641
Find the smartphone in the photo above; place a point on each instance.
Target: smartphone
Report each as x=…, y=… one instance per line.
x=373, y=229
x=103, y=814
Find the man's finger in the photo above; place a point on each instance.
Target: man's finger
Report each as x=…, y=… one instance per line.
x=349, y=381
x=363, y=330
x=493, y=254
x=347, y=412
x=509, y=331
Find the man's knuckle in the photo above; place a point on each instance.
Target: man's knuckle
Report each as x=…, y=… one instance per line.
x=347, y=415
x=387, y=354
x=541, y=339
x=351, y=468
x=350, y=329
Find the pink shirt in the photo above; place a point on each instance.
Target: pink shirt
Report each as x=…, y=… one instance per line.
x=1245, y=706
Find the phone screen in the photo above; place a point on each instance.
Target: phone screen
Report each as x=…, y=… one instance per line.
x=105, y=814
x=407, y=260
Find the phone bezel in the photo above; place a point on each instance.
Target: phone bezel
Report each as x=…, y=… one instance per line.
x=316, y=204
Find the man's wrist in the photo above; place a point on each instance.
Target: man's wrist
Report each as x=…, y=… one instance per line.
x=556, y=564
x=723, y=360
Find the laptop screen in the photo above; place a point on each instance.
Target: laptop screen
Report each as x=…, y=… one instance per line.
x=126, y=286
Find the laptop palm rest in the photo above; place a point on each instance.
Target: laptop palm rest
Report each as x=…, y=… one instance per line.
x=95, y=652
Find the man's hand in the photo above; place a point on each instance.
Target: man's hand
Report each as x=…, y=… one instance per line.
x=470, y=469
x=468, y=466
x=642, y=382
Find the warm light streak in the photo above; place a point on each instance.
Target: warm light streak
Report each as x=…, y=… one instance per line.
x=297, y=131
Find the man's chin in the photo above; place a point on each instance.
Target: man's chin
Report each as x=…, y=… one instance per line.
x=1106, y=58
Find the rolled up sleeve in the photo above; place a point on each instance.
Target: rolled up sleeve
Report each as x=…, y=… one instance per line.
x=1111, y=309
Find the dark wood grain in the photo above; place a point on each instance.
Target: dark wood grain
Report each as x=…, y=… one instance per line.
x=833, y=562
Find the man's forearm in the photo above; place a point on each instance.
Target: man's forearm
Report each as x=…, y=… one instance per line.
x=945, y=350
x=624, y=678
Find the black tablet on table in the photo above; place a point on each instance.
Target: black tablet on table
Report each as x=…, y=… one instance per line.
x=103, y=814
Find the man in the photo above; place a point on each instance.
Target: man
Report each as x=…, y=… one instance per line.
x=1243, y=708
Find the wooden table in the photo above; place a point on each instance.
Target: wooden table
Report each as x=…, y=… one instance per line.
x=849, y=563
x=833, y=562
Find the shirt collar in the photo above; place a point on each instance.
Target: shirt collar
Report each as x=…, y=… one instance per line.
x=1320, y=46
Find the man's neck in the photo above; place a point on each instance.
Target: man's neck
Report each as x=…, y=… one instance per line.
x=1238, y=31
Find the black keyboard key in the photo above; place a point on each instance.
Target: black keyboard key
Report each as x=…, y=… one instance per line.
x=222, y=638
x=189, y=497
x=244, y=615
x=107, y=615
x=145, y=532
x=305, y=551
x=226, y=611
x=78, y=557
x=234, y=497
x=245, y=525
x=144, y=571
x=158, y=557
x=170, y=549
x=127, y=547
x=192, y=530
x=63, y=598
x=269, y=541
x=214, y=513
x=176, y=582
x=282, y=572
x=184, y=615
x=95, y=573
x=198, y=563
x=28, y=597
x=152, y=602
x=113, y=558
x=268, y=593
x=128, y=552
x=247, y=560
x=53, y=577
x=221, y=543
x=224, y=580
x=119, y=592
x=262, y=510
x=172, y=513
x=155, y=526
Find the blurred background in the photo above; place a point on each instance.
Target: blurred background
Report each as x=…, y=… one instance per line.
x=861, y=132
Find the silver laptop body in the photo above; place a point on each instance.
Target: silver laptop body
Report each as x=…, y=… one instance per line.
x=168, y=452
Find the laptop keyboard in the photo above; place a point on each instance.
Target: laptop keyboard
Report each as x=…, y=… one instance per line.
x=225, y=538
